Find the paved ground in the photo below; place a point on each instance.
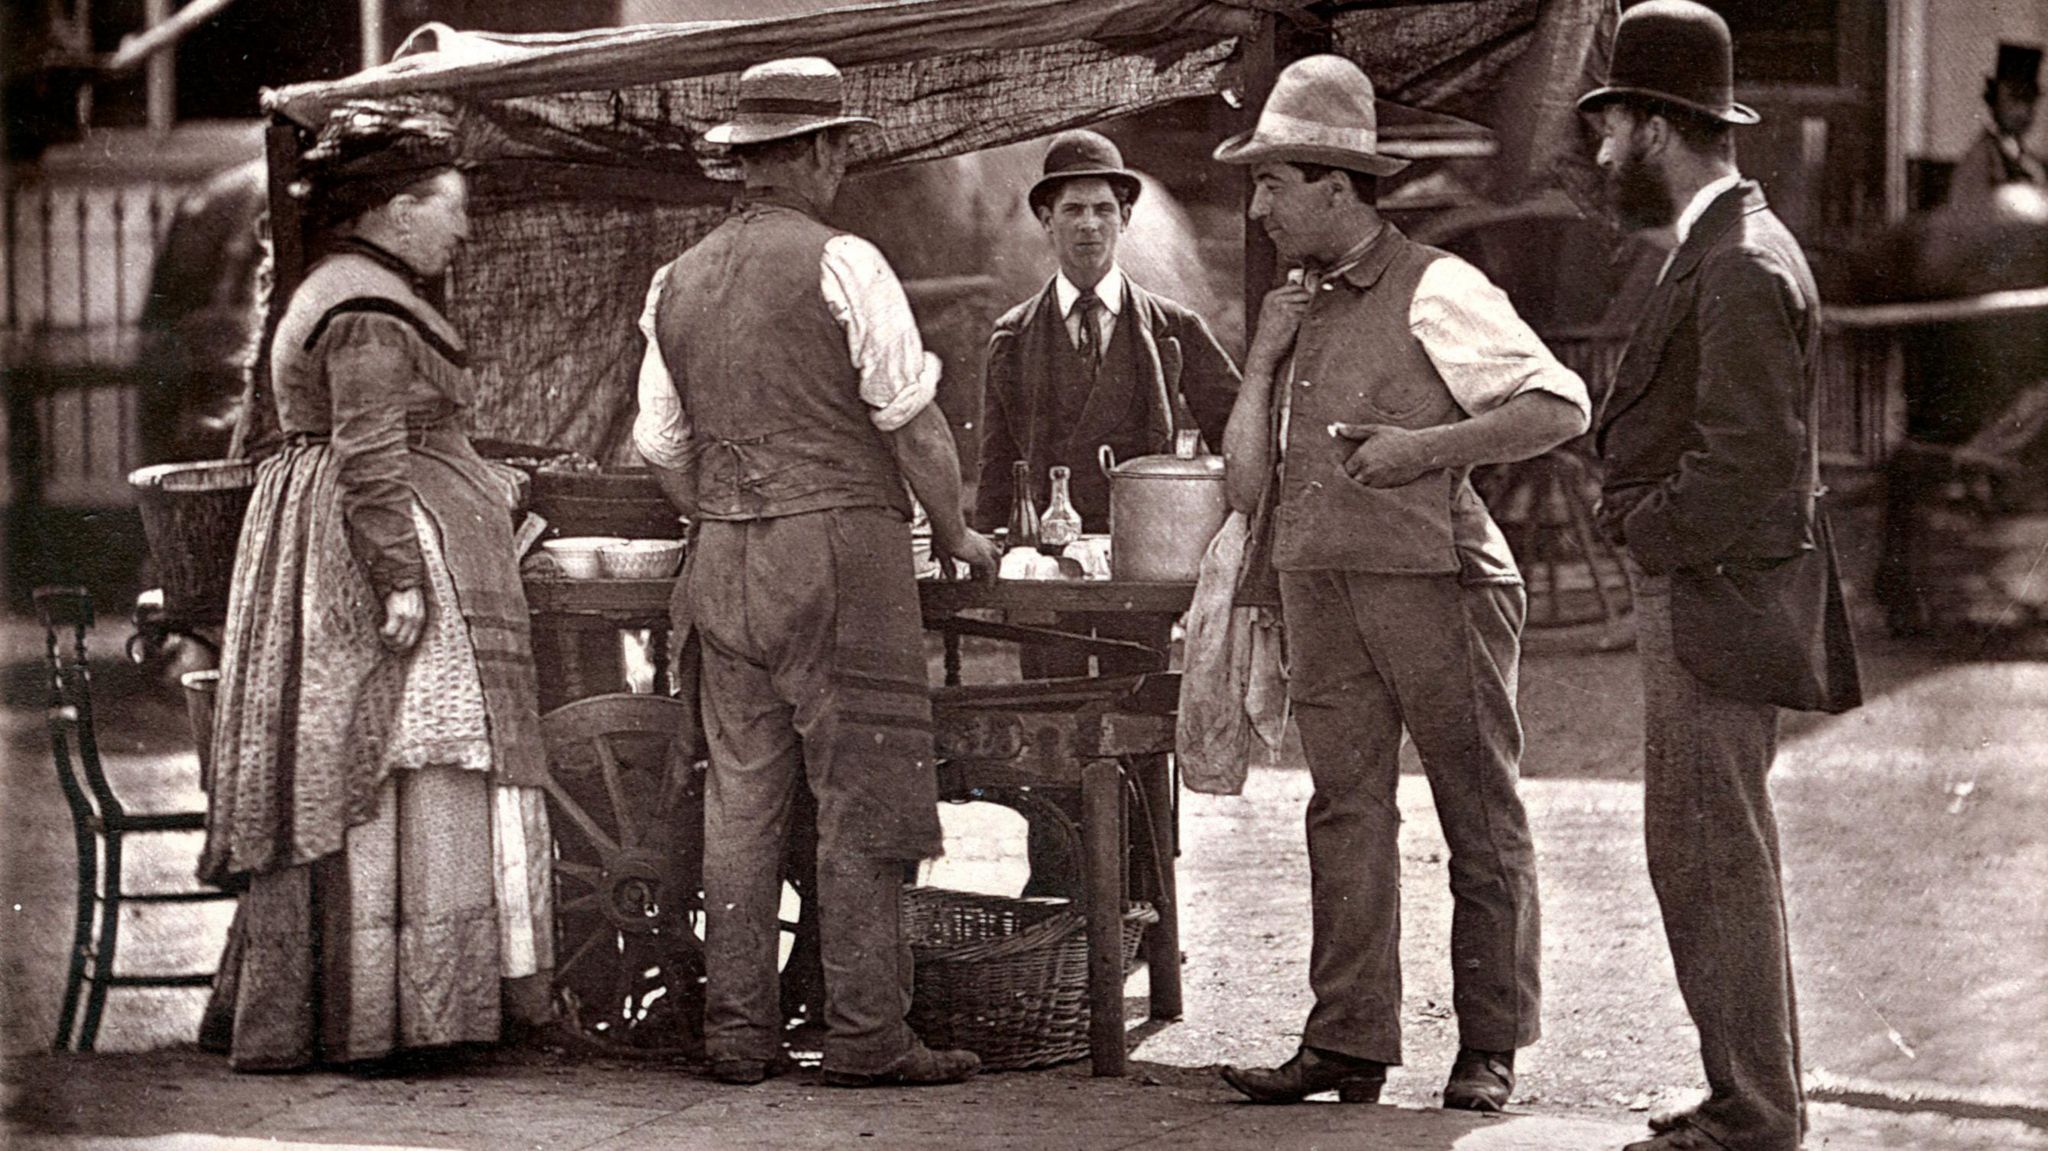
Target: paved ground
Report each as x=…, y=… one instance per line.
x=1916, y=836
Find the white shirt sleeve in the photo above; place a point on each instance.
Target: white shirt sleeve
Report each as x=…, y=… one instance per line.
x=661, y=429
x=1485, y=352
x=898, y=378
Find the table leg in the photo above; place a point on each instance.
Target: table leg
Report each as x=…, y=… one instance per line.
x=1162, y=940
x=1102, y=835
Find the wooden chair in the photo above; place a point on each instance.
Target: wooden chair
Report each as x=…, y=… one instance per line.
x=100, y=823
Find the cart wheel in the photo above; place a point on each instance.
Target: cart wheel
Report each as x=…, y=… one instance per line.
x=627, y=809
x=1576, y=581
x=626, y=803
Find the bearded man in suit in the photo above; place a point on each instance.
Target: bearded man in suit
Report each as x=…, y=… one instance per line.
x=1709, y=440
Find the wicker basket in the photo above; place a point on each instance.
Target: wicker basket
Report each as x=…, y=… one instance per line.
x=192, y=517
x=1004, y=978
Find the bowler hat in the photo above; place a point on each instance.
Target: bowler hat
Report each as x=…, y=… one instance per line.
x=2019, y=68
x=1080, y=155
x=1320, y=112
x=784, y=98
x=1675, y=51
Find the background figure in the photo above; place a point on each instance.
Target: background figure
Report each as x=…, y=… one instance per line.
x=2000, y=156
x=785, y=403
x=1712, y=475
x=377, y=743
x=1379, y=376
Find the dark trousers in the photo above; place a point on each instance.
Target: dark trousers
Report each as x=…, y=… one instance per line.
x=1712, y=843
x=1371, y=654
x=813, y=676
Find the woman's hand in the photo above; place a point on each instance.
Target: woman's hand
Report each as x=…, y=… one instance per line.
x=405, y=616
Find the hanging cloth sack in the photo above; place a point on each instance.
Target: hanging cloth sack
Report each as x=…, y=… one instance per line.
x=1233, y=691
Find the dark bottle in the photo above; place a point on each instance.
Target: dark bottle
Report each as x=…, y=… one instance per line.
x=1023, y=510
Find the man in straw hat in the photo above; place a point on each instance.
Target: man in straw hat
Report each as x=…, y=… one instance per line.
x=1382, y=371
x=785, y=401
x=1092, y=360
x=1710, y=446
x=2001, y=156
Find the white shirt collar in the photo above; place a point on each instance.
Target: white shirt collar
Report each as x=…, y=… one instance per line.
x=1701, y=201
x=1109, y=289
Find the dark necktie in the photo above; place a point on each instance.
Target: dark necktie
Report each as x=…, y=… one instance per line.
x=1090, y=307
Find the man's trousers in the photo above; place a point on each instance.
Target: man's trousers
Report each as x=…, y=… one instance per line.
x=813, y=675
x=1712, y=843
x=1370, y=654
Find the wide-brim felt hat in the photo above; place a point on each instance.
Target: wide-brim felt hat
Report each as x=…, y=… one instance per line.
x=1677, y=52
x=784, y=98
x=1321, y=111
x=2019, y=68
x=1082, y=155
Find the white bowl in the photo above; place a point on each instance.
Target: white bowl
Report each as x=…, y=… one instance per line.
x=641, y=559
x=578, y=556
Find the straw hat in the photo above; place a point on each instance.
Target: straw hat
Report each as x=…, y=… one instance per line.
x=1320, y=112
x=1675, y=51
x=1081, y=155
x=784, y=98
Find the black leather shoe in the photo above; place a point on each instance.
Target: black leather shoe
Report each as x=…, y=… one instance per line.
x=1480, y=1080
x=1308, y=1073
x=747, y=1072
x=1664, y=1121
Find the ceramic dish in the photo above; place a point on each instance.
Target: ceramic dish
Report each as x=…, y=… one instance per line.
x=578, y=556
x=641, y=559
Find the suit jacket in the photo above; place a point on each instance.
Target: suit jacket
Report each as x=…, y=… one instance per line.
x=1160, y=348
x=1710, y=443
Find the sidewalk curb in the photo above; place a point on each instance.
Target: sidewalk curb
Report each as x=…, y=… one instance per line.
x=1873, y=1095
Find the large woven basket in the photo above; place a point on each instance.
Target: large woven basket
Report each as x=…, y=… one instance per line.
x=1005, y=978
x=192, y=517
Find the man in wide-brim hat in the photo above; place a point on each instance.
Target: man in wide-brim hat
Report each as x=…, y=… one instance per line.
x=1380, y=374
x=785, y=404
x=2001, y=156
x=1710, y=474
x=1092, y=360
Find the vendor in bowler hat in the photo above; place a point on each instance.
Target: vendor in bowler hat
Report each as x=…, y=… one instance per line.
x=2001, y=155
x=1710, y=484
x=1093, y=359
x=1380, y=374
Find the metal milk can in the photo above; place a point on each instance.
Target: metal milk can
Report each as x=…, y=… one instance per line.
x=1163, y=511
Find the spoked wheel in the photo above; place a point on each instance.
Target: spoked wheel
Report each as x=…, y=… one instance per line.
x=627, y=809
x=1576, y=580
x=626, y=802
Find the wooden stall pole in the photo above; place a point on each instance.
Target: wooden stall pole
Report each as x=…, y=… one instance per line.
x=1102, y=836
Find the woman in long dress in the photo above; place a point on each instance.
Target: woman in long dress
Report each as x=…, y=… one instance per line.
x=377, y=742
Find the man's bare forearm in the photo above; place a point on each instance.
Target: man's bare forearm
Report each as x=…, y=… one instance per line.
x=930, y=463
x=1526, y=426
x=680, y=486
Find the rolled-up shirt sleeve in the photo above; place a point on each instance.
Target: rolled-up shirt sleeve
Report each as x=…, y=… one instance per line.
x=1485, y=352
x=661, y=428
x=368, y=359
x=898, y=377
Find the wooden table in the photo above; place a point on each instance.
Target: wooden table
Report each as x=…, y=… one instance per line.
x=1108, y=739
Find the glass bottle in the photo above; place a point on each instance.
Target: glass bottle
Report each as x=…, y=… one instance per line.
x=1023, y=509
x=1061, y=524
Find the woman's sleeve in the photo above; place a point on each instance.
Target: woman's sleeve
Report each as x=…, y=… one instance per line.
x=369, y=364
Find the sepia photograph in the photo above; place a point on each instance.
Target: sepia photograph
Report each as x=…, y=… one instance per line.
x=997, y=575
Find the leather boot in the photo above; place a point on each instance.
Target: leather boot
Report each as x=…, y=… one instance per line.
x=1308, y=1073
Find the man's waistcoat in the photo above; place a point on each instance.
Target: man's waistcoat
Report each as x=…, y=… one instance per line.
x=1356, y=361
x=774, y=401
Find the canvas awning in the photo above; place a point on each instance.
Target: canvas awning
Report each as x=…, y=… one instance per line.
x=591, y=173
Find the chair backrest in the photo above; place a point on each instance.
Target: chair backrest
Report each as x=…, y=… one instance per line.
x=66, y=614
